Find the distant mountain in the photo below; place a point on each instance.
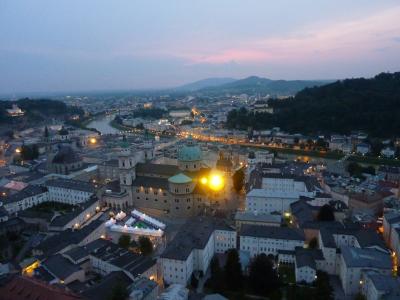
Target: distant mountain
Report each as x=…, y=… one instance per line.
x=371, y=105
x=205, y=83
x=254, y=85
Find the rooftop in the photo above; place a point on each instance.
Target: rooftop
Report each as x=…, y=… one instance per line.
x=102, y=290
x=133, y=263
x=189, y=153
x=193, y=235
x=71, y=185
x=29, y=191
x=180, y=179
x=164, y=170
x=272, y=232
x=366, y=258
x=252, y=217
x=64, y=219
x=22, y=287
x=60, y=267
x=266, y=193
x=153, y=182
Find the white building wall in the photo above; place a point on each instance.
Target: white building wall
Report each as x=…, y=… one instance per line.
x=256, y=245
x=26, y=203
x=268, y=204
x=224, y=240
x=305, y=274
x=68, y=196
x=177, y=271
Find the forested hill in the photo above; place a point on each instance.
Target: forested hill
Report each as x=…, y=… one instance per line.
x=371, y=105
x=258, y=85
x=36, y=110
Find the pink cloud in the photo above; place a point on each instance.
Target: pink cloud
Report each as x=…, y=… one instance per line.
x=336, y=41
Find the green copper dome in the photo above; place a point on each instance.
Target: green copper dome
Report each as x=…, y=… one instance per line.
x=189, y=153
x=180, y=179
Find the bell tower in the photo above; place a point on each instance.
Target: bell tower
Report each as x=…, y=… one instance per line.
x=127, y=165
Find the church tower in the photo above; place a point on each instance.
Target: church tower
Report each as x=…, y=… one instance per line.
x=127, y=172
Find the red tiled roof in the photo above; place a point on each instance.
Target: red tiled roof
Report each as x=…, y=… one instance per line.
x=24, y=288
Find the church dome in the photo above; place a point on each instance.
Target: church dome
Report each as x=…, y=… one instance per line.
x=180, y=179
x=190, y=153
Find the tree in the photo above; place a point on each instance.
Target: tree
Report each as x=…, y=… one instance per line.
x=323, y=289
x=357, y=170
x=118, y=119
x=330, y=108
x=326, y=213
x=233, y=270
x=376, y=147
x=145, y=245
x=124, y=241
x=118, y=292
x=140, y=126
x=313, y=244
x=194, y=282
x=238, y=180
x=360, y=296
x=29, y=152
x=216, y=280
x=321, y=144
x=214, y=266
x=262, y=276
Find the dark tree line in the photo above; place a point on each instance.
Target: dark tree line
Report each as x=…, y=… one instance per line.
x=371, y=105
x=262, y=278
x=153, y=113
x=38, y=109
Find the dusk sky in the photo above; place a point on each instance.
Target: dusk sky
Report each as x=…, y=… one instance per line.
x=66, y=45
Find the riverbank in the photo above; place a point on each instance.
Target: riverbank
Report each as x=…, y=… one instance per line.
x=368, y=160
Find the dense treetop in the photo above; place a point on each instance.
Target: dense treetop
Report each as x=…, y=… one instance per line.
x=371, y=105
x=38, y=110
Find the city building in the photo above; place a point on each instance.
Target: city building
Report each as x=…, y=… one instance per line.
x=180, y=190
x=106, y=257
x=247, y=217
x=175, y=292
x=65, y=161
x=376, y=286
x=269, y=240
x=193, y=247
x=23, y=287
x=354, y=261
x=31, y=195
x=69, y=191
x=307, y=262
x=77, y=217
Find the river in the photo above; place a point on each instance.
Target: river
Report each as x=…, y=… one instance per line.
x=102, y=124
